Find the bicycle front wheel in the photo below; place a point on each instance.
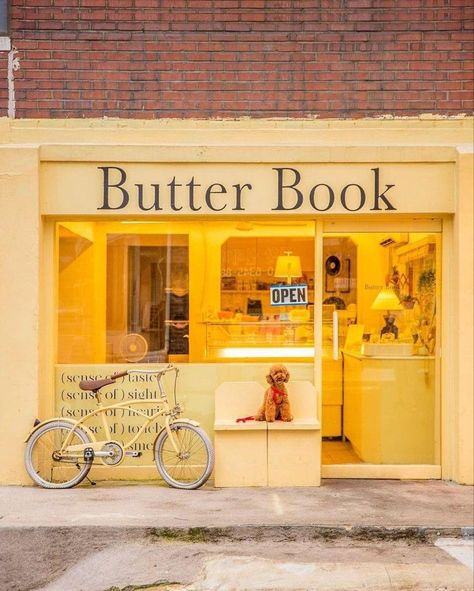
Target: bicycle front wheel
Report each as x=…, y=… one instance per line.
x=43, y=463
x=192, y=465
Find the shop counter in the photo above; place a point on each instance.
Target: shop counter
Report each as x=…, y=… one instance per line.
x=389, y=408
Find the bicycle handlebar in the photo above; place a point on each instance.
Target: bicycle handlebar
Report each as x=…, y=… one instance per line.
x=121, y=374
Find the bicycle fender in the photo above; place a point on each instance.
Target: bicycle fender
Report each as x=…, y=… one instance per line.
x=188, y=421
x=70, y=421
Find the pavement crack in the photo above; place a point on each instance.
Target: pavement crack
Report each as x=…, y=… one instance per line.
x=387, y=572
x=156, y=586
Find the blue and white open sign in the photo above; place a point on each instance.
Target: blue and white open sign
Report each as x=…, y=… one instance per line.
x=289, y=295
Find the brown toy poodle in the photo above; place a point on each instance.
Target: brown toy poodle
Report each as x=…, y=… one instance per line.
x=275, y=404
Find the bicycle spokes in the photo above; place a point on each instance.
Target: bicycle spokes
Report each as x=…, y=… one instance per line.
x=186, y=461
x=47, y=464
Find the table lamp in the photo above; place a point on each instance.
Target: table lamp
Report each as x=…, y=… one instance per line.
x=289, y=266
x=387, y=300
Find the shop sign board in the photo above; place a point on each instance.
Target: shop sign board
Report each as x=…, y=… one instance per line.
x=289, y=295
x=117, y=192
x=190, y=189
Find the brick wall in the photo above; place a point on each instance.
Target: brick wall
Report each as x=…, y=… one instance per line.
x=235, y=58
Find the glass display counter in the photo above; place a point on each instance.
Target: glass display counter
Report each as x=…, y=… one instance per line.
x=230, y=339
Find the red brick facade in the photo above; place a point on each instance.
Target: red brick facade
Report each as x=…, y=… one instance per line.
x=240, y=58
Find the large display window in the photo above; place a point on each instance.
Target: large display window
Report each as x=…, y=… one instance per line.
x=184, y=291
x=204, y=292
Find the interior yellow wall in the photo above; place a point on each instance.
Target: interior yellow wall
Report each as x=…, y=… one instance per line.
x=76, y=300
x=117, y=282
x=372, y=268
x=81, y=293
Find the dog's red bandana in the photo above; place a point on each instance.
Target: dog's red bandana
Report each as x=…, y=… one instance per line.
x=276, y=392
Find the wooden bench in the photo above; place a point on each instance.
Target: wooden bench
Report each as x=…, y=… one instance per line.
x=257, y=453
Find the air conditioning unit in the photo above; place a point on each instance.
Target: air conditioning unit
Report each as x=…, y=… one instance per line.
x=395, y=241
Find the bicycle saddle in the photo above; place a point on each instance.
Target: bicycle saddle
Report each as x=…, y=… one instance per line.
x=95, y=385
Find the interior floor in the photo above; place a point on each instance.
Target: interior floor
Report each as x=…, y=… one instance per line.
x=339, y=452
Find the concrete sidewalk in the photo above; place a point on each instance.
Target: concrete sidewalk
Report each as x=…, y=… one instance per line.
x=345, y=535
x=377, y=507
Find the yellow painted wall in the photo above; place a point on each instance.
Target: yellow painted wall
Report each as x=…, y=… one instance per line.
x=20, y=237
x=463, y=288
x=27, y=358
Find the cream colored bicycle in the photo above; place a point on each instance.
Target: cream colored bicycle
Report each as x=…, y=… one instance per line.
x=60, y=452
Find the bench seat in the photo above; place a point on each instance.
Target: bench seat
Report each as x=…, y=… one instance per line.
x=257, y=453
x=294, y=425
x=229, y=425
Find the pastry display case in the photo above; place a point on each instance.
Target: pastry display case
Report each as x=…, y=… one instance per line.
x=249, y=337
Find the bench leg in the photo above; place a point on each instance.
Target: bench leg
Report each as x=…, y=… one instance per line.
x=241, y=458
x=294, y=458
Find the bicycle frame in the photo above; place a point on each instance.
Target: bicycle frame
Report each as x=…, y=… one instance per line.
x=170, y=414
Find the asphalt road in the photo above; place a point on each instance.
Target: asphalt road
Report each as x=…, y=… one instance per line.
x=84, y=559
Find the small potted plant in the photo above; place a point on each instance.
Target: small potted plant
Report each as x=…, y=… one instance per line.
x=408, y=302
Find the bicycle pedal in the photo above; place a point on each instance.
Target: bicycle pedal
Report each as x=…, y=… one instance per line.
x=89, y=454
x=133, y=454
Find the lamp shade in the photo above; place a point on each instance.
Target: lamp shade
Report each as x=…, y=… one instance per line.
x=386, y=299
x=288, y=265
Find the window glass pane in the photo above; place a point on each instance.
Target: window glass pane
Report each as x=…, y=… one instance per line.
x=253, y=322
x=147, y=297
x=153, y=292
x=3, y=17
x=380, y=398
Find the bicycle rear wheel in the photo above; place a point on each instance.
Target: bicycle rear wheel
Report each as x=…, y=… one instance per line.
x=41, y=460
x=192, y=466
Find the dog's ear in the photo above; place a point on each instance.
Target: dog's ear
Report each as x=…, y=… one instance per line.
x=269, y=379
x=287, y=379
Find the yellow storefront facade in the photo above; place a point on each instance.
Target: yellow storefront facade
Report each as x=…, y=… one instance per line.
x=141, y=243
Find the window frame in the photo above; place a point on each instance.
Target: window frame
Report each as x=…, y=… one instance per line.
x=4, y=18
